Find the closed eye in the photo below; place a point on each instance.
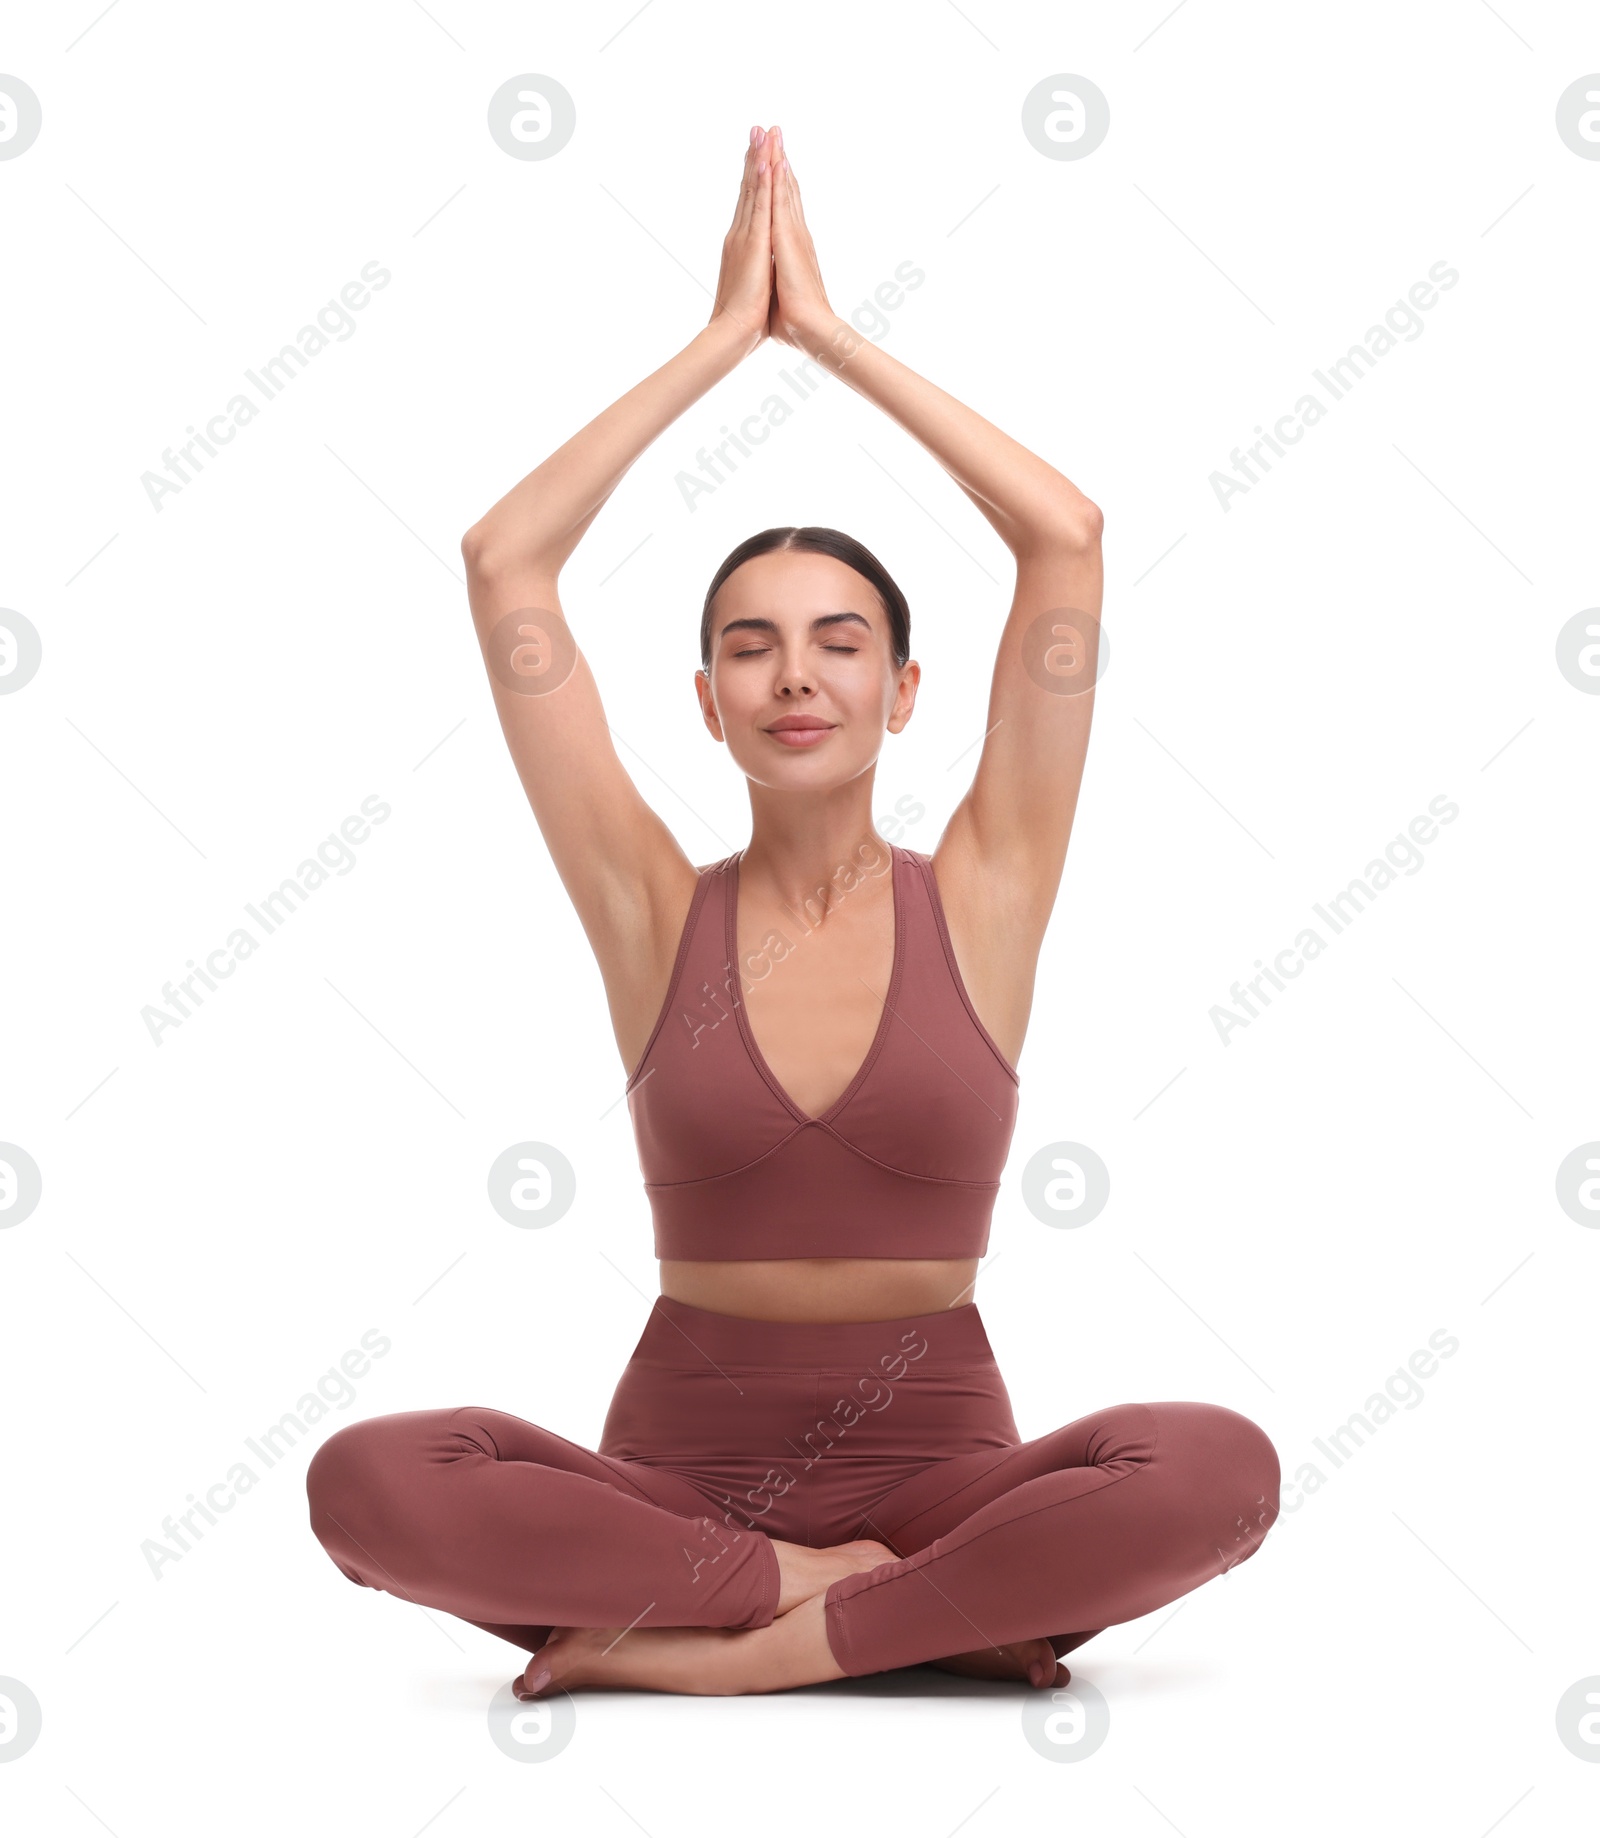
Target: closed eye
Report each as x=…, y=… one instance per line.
x=756, y=650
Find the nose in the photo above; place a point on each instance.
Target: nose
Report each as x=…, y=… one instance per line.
x=794, y=679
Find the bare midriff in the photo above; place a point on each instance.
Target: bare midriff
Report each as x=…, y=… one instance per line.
x=821, y=1288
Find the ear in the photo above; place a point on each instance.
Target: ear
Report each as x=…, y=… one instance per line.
x=708, y=708
x=905, y=699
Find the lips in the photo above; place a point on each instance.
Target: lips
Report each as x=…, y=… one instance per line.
x=799, y=730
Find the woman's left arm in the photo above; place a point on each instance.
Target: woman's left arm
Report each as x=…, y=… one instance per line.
x=1008, y=836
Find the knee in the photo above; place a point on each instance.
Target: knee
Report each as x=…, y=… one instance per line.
x=1258, y=1478
x=333, y=1478
x=1230, y=1461
x=377, y=1488
x=1254, y=1478
x=354, y=1484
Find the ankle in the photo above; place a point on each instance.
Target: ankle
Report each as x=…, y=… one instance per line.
x=802, y=1572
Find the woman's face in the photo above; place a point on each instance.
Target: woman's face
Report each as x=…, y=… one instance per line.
x=801, y=638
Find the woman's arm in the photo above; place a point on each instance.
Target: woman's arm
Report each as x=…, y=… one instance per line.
x=1002, y=853
x=534, y=528
x=628, y=879
x=1026, y=499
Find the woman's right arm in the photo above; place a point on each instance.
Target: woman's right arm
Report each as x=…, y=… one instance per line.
x=627, y=877
x=534, y=528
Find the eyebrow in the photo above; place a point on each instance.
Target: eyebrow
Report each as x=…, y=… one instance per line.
x=822, y=620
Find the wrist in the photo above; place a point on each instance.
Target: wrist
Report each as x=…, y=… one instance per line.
x=730, y=338
x=829, y=339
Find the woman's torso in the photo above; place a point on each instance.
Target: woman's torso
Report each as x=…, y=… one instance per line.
x=820, y=991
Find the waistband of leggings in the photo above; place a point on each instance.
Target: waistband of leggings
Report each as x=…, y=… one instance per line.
x=680, y=1335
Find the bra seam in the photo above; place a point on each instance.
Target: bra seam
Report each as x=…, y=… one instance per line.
x=907, y=1174
x=768, y=1371
x=903, y=1174
x=956, y=979
x=700, y=1180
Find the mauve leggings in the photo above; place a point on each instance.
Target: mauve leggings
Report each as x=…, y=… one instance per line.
x=725, y=1433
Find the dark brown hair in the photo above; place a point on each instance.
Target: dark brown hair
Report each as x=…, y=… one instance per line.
x=814, y=539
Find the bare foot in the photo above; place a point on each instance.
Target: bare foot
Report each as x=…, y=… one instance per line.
x=1033, y=1660
x=807, y=1571
x=700, y=1661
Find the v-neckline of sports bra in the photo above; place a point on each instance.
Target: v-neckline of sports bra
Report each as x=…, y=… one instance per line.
x=758, y=1058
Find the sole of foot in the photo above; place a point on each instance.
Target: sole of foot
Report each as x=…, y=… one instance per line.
x=1032, y=1661
x=698, y=1661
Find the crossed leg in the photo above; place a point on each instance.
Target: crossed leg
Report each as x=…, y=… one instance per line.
x=517, y=1530
x=1100, y=1521
x=525, y=1534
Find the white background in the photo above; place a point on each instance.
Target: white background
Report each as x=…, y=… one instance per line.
x=1293, y=679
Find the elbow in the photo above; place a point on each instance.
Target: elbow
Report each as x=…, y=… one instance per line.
x=1078, y=524
x=475, y=551
x=1066, y=523
x=492, y=554
x=486, y=556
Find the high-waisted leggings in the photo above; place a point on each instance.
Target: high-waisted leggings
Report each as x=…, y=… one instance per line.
x=726, y=1433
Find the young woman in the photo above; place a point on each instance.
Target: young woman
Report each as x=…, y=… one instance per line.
x=810, y=1468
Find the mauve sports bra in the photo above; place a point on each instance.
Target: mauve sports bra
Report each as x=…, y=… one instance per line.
x=905, y=1163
